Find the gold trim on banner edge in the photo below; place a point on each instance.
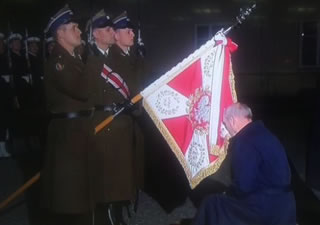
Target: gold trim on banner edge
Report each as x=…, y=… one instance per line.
x=168, y=137
x=232, y=84
x=211, y=169
x=213, y=166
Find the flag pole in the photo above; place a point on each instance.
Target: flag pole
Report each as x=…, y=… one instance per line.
x=240, y=18
x=18, y=192
x=108, y=120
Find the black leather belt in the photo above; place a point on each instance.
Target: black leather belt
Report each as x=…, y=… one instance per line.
x=72, y=115
x=83, y=113
x=105, y=108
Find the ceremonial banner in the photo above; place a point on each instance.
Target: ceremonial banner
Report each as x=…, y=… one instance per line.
x=187, y=105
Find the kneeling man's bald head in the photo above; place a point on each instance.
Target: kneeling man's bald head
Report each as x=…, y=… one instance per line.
x=236, y=116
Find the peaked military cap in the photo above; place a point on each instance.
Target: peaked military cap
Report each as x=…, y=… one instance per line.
x=33, y=39
x=99, y=20
x=63, y=16
x=49, y=39
x=15, y=36
x=122, y=21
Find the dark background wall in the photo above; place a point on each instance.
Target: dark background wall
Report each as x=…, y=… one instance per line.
x=266, y=63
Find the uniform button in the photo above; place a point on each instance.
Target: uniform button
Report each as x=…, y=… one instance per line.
x=104, y=90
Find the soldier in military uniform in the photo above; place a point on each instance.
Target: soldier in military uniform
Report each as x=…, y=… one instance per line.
x=111, y=158
x=4, y=67
x=36, y=69
x=19, y=69
x=130, y=68
x=65, y=175
x=50, y=43
x=22, y=92
x=5, y=97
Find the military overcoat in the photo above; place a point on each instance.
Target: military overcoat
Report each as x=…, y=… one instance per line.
x=65, y=175
x=132, y=67
x=113, y=159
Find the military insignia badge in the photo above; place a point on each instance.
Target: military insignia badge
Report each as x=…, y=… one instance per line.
x=59, y=67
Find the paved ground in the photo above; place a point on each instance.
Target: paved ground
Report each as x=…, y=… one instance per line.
x=11, y=179
x=167, y=198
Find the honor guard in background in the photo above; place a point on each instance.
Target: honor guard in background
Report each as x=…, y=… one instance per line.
x=66, y=191
x=19, y=70
x=4, y=64
x=36, y=69
x=39, y=122
x=19, y=65
x=111, y=156
x=125, y=63
x=4, y=67
x=50, y=43
x=5, y=97
x=22, y=92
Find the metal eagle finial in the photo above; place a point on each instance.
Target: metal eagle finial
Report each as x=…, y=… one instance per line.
x=241, y=17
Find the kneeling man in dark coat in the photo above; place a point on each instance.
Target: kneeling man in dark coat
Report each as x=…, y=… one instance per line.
x=260, y=193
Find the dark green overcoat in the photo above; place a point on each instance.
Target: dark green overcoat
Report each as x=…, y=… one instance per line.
x=113, y=160
x=65, y=177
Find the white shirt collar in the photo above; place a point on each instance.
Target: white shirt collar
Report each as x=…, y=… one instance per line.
x=127, y=52
x=106, y=52
x=31, y=53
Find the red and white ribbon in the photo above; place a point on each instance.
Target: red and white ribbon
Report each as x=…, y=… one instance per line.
x=116, y=81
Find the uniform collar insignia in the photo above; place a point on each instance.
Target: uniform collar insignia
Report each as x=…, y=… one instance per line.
x=59, y=66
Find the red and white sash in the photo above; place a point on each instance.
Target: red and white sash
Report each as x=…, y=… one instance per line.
x=116, y=81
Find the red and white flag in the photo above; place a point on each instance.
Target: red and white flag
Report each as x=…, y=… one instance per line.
x=187, y=105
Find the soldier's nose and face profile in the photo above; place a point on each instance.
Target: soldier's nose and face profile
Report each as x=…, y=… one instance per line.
x=33, y=47
x=107, y=34
x=72, y=34
x=125, y=36
x=16, y=45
